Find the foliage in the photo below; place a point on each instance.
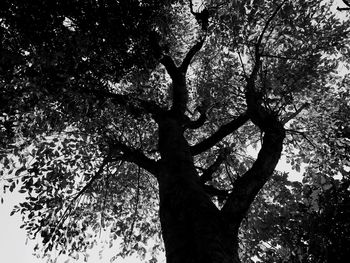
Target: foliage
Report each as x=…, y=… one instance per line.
x=295, y=222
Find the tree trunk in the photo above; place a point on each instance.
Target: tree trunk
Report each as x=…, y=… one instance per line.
x=192, y=226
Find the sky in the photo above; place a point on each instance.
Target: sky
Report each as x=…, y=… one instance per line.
x=15, y=249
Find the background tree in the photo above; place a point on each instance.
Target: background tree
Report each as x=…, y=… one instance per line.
x=111, y=109
x=295, y=222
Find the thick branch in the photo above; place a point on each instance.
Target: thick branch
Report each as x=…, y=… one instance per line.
x=246, y=187
x=207, y=174
x=121, y=151
x=346, y=2
x=222, y=132
x=212, y=191
x=160, y=53
x=170, y=66
x=197, y=123
x=189, y=56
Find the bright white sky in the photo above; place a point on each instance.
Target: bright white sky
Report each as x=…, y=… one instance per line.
x=13, y=247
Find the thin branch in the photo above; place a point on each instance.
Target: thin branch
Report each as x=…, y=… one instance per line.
x=242, y=64
x=93, y=179
x=278, y=57
x=267, y=24
x=79, y=194
x=250, y=83
x=136, y=204
x=222, y=132
x=228, y=172
x=296, y=113
x=302, y=134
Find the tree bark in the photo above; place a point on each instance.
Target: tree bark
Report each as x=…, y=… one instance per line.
x=192, y=226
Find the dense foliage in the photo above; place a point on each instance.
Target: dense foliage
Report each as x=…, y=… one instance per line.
x=84, y=84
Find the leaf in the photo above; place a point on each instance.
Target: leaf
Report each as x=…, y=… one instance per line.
x=20, y=170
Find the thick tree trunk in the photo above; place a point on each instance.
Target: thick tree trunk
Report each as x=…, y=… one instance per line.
x=192, y=226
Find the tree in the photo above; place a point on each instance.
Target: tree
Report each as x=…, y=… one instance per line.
x=295, y=222
x=111, y=107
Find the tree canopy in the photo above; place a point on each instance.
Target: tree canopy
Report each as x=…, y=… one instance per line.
x=102, y=101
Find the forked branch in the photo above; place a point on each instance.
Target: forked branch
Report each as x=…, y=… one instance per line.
x=246, y=187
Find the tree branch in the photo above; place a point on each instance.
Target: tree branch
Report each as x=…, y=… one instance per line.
x=343, y=8
x=207, y=174
x=170, y=66
x=160, y=53
x=267, y=24
x=222, y=132
x=66, y=212
x=190, y=54
x=212, y=191
x=246, y=187
x=121, y=151
x=97, y=176
x=346, y=2
x=199, y=122
x=296, y=113
x=258, y=53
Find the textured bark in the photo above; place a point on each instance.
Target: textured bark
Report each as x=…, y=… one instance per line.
x=193, y=228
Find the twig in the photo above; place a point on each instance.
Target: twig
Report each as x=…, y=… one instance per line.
x=70, y=206
x=229, y=175
x=136, y=204
x=293, y=115
x=258, y=44
x=302, y=134
x=244, y=72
